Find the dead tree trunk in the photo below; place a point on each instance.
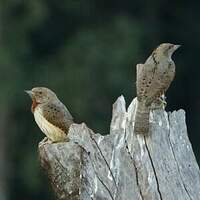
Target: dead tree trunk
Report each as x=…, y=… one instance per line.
x=122, y=165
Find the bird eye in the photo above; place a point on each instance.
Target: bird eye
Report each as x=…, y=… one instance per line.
x=40, y=92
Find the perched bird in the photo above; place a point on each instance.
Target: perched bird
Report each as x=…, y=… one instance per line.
x=153, y=79
x=50, y=114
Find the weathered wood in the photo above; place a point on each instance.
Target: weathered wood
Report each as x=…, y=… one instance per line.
x=122, y=165
x=62, y=162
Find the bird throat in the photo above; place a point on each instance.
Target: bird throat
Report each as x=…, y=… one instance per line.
x=34, y=105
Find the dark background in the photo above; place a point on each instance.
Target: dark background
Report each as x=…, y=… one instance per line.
x=86, y=51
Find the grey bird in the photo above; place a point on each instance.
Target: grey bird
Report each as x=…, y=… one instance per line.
x=153, y=79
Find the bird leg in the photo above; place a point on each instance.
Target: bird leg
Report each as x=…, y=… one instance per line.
x=159, y=103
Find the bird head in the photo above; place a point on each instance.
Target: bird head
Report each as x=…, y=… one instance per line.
x=40, y=95
x=167, y=49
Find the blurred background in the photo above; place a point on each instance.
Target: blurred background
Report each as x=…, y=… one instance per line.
x=86, y=51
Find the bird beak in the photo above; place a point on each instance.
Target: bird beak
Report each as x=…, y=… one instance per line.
x=176, y=47
x=29, y=92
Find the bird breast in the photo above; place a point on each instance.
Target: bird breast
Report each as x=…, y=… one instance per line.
x=52, y=132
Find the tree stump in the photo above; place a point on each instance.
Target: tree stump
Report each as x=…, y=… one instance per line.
x=122, y=165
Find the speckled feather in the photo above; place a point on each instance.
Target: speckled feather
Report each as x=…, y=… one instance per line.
x=57, y=114
x=52, y=117
x=153, y=79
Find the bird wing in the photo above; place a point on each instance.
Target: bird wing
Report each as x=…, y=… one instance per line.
x=145, y=75
x=161, y=80
x=57, y=114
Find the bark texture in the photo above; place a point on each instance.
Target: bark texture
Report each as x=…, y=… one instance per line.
x=122, y=165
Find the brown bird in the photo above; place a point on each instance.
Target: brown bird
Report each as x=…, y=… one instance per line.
x=153, y=79
x=50, y=114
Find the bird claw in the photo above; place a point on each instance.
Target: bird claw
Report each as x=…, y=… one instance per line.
x=46, y=140
x=160, y=103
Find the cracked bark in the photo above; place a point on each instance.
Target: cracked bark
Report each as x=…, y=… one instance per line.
x=122, y=165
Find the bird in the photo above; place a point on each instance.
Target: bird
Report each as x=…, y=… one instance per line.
x=50, y=114
x=153, y=78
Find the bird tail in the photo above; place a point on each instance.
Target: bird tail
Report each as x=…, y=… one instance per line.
x=141, y=125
